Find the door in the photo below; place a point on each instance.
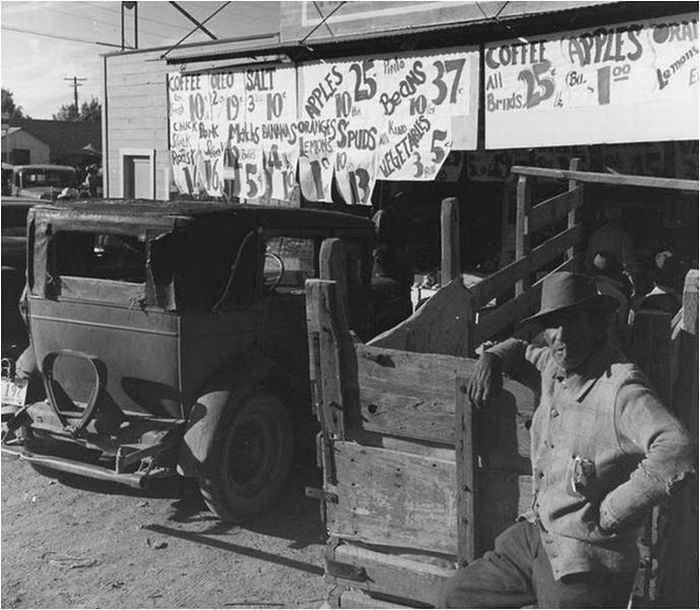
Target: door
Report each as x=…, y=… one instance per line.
x=138, y=179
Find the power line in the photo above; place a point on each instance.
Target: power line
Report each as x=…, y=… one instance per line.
x=22, y=31
x=75, y=86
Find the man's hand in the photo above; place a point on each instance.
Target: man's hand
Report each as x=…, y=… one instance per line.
x=487, y=380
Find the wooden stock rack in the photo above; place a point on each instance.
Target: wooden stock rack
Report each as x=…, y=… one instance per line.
x=416, y=483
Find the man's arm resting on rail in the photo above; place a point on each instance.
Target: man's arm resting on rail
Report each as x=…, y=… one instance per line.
x=511, y=357
x=669, y=456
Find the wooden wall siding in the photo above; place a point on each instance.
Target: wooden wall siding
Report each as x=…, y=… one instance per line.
x=137, y=115
x=390, y=574
x=393, y=498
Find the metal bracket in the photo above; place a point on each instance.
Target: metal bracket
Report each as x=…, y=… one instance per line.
x=320, y=495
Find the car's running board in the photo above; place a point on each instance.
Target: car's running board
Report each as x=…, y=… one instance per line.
x=79, y=468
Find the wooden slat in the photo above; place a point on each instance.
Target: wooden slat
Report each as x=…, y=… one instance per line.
x=327, y=326
x=413, y=393
x=391, y=574
x=555, y=208
x=690, y=303
x=333, y=266
x=522, y=239
x=441, y=326
x=416, y=446
x=449, y=223
x=652, y=349
x=357, y=599
x=515, y=309
x=504, y=278
x=466, y=489
x=571, y=220
x=600, y=178
x=394, y=499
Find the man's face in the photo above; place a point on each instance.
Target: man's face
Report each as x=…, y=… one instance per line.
x=573, y=335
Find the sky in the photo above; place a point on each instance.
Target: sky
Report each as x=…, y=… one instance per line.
x=35, y=61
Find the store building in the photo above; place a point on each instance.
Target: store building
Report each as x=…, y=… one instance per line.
x=367, y=102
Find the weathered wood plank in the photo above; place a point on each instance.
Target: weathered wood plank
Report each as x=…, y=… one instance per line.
x=690, y=303
x=333, y=265
x=555, y=208
x=652, y=349
x=392, y=574
x=327, y=323
x=357, y=599
x=467, y=493
x=504, y=278
x=515, y=309
x=441, y=326
x=418, y=447
x=392, y=498
x=449, y=223
x=411, y=395
x=571, y=220
x=522, y=237
x=600, y=178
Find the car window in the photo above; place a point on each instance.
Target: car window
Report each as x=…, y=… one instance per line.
x=47, y=177
x=100, y=256
x=289, y=262
x=14, y=220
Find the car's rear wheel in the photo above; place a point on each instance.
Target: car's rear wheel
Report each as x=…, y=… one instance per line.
x=251, y=458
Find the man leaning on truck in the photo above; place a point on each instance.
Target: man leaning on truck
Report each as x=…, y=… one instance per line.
x=604, y=450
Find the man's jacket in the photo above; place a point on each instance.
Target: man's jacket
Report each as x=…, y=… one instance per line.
x=604, y=450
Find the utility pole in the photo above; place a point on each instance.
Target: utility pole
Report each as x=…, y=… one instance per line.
x=130, y=6
x=75, y=84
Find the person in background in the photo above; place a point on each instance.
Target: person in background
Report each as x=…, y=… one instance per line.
x=91, y=181
x=611, y=280
x=667, y=275
x=604, y=450
x=613, y=237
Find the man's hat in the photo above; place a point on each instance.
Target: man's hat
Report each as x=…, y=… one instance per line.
x=563, y=291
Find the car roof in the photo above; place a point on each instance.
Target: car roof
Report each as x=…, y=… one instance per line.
x=43, y=166
x=149, y=212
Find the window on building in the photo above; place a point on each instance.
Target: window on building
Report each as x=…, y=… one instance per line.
x=20, y=156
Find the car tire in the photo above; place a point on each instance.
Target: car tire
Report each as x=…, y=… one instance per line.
x=251, y=458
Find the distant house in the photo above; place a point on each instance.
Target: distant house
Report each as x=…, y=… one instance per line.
x=58, y=142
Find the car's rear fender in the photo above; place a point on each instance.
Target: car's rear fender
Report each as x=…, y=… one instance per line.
x=224, y=391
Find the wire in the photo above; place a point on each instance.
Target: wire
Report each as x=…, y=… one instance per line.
x=326, y=18
x=104, y=44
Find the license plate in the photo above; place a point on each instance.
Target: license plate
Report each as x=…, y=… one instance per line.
x=14, y=392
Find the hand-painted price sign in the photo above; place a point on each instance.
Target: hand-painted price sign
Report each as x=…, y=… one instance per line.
x=628, y=82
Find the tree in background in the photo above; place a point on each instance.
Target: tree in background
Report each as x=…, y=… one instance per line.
x=9, y=109
x=90, y=112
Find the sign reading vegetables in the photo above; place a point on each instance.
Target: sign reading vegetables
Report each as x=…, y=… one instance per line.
x=624, y=83
x=394, y=118
x=389, y=117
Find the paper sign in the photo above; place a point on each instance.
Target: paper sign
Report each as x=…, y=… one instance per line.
x=630, y=82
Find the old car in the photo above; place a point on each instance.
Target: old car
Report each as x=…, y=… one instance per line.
x=172, y=337
x=44, y=181
x=14, y=256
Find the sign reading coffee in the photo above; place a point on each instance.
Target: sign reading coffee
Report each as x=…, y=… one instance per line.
x=629, y=82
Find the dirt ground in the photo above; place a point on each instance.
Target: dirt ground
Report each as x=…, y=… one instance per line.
x=75, y=543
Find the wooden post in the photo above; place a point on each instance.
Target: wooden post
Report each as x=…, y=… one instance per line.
x=571, y=220
x=449, y=222
x=522, y=238
x=334, y=365
x=466, y=480
x=333, y=265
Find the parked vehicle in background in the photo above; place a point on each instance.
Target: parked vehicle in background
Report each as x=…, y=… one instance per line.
x=14, y=258
x=172, y=337
x=45, y=182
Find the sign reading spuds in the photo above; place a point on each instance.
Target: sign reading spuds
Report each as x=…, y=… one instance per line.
x=392, y=117
x=630, y=82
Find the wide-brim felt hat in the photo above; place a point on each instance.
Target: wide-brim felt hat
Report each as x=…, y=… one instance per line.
x=564, y=291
